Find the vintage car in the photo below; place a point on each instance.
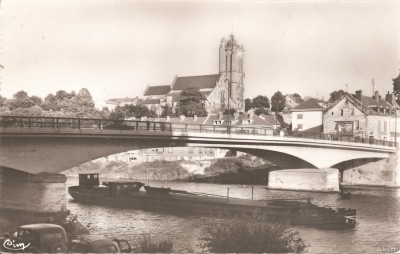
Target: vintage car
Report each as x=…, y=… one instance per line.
x=97, y=244
x=41, y=237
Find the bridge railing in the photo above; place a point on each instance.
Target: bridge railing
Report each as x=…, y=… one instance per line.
x=134, y=125
x=342, y=138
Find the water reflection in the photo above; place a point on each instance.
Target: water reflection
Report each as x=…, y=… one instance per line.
x=378, y=219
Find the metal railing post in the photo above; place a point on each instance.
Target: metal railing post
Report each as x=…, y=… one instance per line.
x=29, y=122
x=100, y=124
x=79, y=124
x=186, y=127
x=200, y=128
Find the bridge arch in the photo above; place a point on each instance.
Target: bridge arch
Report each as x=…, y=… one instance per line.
x=52, y=150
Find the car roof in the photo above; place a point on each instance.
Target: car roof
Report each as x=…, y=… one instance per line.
x=96, y=241
x=41, y=226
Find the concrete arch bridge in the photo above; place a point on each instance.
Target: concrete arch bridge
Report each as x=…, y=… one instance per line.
x=35, y=145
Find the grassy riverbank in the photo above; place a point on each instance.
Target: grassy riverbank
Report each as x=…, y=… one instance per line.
x=233, y=170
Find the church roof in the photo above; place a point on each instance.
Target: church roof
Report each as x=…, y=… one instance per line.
x=311, y=104
x=157, y=90
x=201, y=82
x=149, y=101
x=177, y=96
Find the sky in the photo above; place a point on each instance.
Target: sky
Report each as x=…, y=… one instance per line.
x=116, y=48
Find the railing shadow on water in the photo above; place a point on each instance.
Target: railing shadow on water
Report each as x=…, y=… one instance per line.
x=159, y=126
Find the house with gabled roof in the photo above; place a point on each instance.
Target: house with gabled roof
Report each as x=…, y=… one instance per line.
x=362, y=116
x=307, y=116
x=215, y=87
x=292, y=101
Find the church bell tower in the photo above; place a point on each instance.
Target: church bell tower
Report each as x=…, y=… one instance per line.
x=231, y=61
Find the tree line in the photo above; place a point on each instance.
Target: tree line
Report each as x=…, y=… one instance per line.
x=61, y=104
x=80, y=104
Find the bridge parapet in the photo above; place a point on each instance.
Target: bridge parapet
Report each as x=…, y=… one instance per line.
x=107, y=126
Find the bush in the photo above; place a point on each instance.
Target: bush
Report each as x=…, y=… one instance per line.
x=145, y=246
x=244, y=234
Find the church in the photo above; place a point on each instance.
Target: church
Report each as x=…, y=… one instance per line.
x=216, y=88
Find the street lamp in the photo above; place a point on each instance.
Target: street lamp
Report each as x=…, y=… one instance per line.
x=229, y=89
x=395, y=126
x=229, y=107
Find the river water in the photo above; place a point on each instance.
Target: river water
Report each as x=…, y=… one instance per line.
x=378, y=216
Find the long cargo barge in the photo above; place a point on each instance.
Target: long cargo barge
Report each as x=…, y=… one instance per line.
x=128, y=195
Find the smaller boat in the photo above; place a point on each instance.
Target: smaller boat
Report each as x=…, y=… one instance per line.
x=157, y=190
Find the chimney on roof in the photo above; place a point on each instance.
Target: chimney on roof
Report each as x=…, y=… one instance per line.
x=195, y=118
x=220, y=115
x=389, y=98
x=376, y=96
x=358, y=95
x=182, y=117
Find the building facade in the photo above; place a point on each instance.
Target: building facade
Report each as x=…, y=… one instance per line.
x=362, y=116
x=307, y=117
x=216, y=88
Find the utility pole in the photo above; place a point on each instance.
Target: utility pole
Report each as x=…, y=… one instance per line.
x=373, y=86
x=229, y=88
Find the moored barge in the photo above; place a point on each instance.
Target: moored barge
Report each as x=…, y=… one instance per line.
x=127, y=194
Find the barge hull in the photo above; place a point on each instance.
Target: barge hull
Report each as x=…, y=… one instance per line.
x=185, y=203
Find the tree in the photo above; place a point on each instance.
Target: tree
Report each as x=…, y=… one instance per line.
x=167, y=111
x=336, y=95
x=21, y=100
x=278, y=102
x=138, y=111
x=37, y=100
x=247, y=104
x=246, y=234
x=298, y=97
x=118, y=113
x=396, y=88
x=2, y=100
x=260, y=111
x=260, y=102
x=191, y=102
x=231, y=111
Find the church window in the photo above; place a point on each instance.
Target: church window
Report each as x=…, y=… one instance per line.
x=299, y=126
x=300, y=116
x=341, y=112
x=226, y=59
x=332, y=112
